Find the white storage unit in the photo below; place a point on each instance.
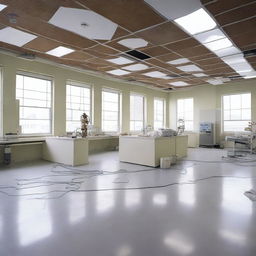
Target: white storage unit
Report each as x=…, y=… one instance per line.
x=149, y=150
x=64, y=150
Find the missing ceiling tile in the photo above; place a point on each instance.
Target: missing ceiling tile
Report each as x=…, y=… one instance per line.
x=138, y=55
x=235, y=77
x=249, y=53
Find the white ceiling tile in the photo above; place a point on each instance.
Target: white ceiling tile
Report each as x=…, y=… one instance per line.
x=178, y=61
x=85, y=23
x=118, y=72
x=133, y=43
x=210, y=36
x=15, y=37
x=136, y=67
x=179, y=83
x=60, y=51
x=173, y=9
x=189, y=68
x=120, y=61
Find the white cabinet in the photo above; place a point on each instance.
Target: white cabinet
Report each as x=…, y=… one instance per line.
x=149, y=150
x=66, y=150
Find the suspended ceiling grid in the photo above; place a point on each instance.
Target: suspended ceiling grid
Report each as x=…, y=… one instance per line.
x=134, y=19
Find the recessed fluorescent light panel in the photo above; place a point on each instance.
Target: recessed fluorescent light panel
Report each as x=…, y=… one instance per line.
x=210, y=36
x=179, y=83
x=2, y=6
x=219, y=44
x=85, y=23
x=155, y=74
x=238, y=58
x=118, y=72
x=173, y=9
x=15, y=37
x=227, y=51
x=215, y=81
x=199, y=75
x=121, y=61
x=178, y=61
x=196, y=22
x=60, y=51
x=133, y=43
x=190, y=68
x=136, y=67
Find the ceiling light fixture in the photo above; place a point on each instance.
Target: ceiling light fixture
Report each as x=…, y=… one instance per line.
x=136, y=67
x=214, y=81
x=227, y=51
x=155, y=74
x=179, y=83
x=178, y=61
x=2, y=6
x=15, y=37
x=60, y=51
x=219, y=44
x=199, y=75
x=190, y=68
x=118, y=72
x=120, y=61
x=196, y=22
x=209, y=36
x=133, y=43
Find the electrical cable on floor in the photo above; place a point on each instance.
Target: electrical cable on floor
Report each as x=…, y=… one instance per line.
x=79, y=177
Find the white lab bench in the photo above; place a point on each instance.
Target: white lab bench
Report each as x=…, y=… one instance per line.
x=65, y=150
x=148, y=150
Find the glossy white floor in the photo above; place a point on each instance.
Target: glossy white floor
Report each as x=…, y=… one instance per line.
x=209, y=217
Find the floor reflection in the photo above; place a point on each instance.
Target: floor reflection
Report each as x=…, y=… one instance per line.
x=233, y=237
x=77, y=207
x=132, y=198
x=34, y=221
x=124, y=251
x=160, y=199
x=179, y=243
x=186, y=193
x=233, y=198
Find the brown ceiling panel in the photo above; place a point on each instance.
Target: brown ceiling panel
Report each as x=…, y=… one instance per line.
x=220, y=6
x=245, y=39
x=209, y=61
x=241, y=27
x=42, y=44
x=46, y=30
x=155, y=51
x=133, y=15
x=39, y=9
x=120, y=32
x=78, y=55
x=237, y=14
x=183, y=44
x=169, y=57
x=194, y=51
x=163, y=34
x=104, y=50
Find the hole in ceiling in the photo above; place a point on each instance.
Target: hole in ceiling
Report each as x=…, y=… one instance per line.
x=138, y=55
x=235, y=77
x=248, y=53
x=168, y=89
x=12, y=17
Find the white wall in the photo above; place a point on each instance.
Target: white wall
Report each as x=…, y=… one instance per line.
x=207, y=99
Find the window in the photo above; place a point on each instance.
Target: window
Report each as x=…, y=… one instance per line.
x=137, y=115
x=185, y=111
x=110, y=111
x=35, y=102
x=78, y=101
x=236, y=112
x=159, y=113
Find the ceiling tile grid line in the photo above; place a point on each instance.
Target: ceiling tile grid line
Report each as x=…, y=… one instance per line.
x=163, y=42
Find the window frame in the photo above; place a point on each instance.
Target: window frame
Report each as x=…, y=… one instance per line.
x=164, y=110
x=42, y=77
x=144, y=110
x=177, y=111
x=118, y=92
x=222, y=112
x=82, y=85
